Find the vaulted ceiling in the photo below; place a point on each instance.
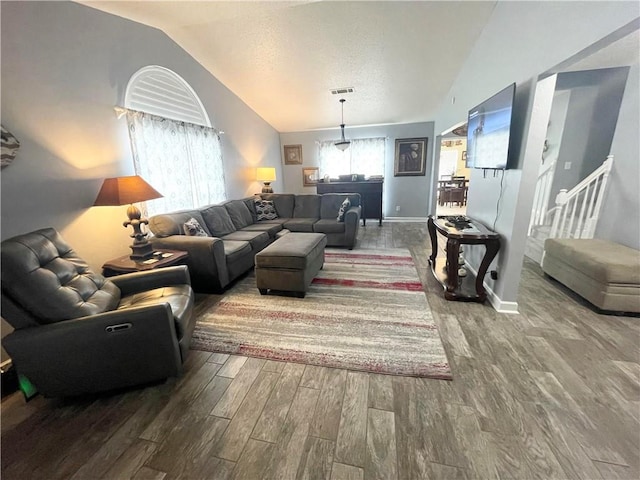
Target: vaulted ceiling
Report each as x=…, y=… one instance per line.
x=283, y=58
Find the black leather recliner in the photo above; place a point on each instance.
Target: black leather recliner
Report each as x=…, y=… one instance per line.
x=77, y=332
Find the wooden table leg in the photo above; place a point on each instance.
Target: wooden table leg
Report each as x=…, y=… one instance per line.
x=492, y=250
x=453, y=251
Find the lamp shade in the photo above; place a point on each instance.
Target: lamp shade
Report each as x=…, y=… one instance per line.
x=125, y=190
x=266, y=174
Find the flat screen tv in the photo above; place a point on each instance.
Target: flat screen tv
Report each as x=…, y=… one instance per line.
x=488, y=131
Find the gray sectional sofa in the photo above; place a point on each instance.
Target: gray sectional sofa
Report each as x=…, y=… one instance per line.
x=232, y=233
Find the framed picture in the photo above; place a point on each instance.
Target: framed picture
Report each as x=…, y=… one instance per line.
x=309, y=176
x=410, y=158
x=293, y=154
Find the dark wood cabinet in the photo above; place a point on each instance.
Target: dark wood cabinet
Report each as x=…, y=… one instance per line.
x=163, y=258
x=370, y=194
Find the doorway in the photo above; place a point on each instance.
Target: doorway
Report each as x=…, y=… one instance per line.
x=453, y=176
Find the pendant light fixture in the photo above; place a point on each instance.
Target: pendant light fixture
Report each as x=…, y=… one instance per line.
x=342, y=144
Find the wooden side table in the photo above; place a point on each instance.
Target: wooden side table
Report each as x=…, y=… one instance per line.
x=469, y=288
x=161, y=258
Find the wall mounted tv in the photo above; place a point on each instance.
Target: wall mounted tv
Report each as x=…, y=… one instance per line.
x=488, y=131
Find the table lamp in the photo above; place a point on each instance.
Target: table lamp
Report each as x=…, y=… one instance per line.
x=266, y=175
x=129, y=190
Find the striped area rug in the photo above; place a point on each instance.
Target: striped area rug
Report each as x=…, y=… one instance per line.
x=366, y=310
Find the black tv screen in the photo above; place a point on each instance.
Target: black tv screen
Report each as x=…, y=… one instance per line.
x=488, y=131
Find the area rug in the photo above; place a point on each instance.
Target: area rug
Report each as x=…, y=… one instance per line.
x=365, y=310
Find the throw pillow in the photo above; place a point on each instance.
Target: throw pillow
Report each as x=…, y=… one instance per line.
x=346, y=205
x=265, y=210
x=192, y=228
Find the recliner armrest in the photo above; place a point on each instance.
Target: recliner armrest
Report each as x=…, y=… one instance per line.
x=100, y=352
x=130, y=283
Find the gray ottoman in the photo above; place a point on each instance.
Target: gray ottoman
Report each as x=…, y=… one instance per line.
x=605, y=273
x=290, y=263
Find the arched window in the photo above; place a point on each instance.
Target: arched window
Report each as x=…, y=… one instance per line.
x=174, y=147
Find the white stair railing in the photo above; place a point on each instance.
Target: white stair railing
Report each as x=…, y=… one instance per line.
x=577, y=211
x=539, y=213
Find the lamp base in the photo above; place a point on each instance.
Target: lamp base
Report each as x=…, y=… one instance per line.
x=267, y=188
x=141, y=251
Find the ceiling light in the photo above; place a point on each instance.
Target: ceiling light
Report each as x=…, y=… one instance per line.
x=342, y=144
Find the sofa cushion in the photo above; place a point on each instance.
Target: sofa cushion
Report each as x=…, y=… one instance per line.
x=249, y=202
x=234, y=249
x=328, y=226
x=283, y=202
x=239, y=213
x=307, y=206
x=192, y=228
x=265, y=210
x=271, y=228
x=66, y=287
x=300, y=224
x=178, y=296
x=168, y=224
x=258, y=240
x=218, y=220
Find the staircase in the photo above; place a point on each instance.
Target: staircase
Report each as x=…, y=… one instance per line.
x=575, y=214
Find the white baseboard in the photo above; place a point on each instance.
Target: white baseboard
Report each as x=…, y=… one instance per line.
x=496, y=302
x=405, y=219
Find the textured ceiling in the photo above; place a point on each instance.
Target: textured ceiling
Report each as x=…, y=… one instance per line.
x=282, y=58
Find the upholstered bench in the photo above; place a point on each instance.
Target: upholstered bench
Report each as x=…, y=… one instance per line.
x=605, y=273
x=290, y=263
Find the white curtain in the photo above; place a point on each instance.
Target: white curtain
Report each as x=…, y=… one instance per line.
x=364, y=155
x=181, y=160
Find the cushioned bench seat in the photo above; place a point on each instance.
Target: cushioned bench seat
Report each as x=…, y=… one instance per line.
x=290, y=263
x=605, y=273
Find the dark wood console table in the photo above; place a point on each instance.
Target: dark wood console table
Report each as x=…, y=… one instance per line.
x=470, y=287
x=124, y=264
x=370, y=195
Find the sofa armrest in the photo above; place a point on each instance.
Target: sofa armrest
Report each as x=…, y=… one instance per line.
x=352, y=224
x=130, y=283
x=101, y=352
x=207, y=262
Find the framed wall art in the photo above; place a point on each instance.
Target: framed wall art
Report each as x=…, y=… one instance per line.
x=310, y=176
x=410, y=157
x=293, y=154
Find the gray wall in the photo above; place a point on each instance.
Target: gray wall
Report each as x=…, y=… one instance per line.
x=590, y=123
x=620, y=219
x=533, y=36
x=64, y=67
x=411, y=194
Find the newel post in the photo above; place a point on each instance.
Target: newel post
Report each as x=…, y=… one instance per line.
x=561, y=200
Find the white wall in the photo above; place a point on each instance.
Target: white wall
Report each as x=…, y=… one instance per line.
x=590, y=122
x=620, y=219
x=64, y=67
x=411, y=194
x=555, y=129
x=521, y=41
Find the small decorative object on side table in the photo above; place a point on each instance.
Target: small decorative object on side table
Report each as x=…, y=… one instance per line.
x=160, y=259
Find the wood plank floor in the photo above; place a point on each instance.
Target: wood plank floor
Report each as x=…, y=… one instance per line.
x=552, y=393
